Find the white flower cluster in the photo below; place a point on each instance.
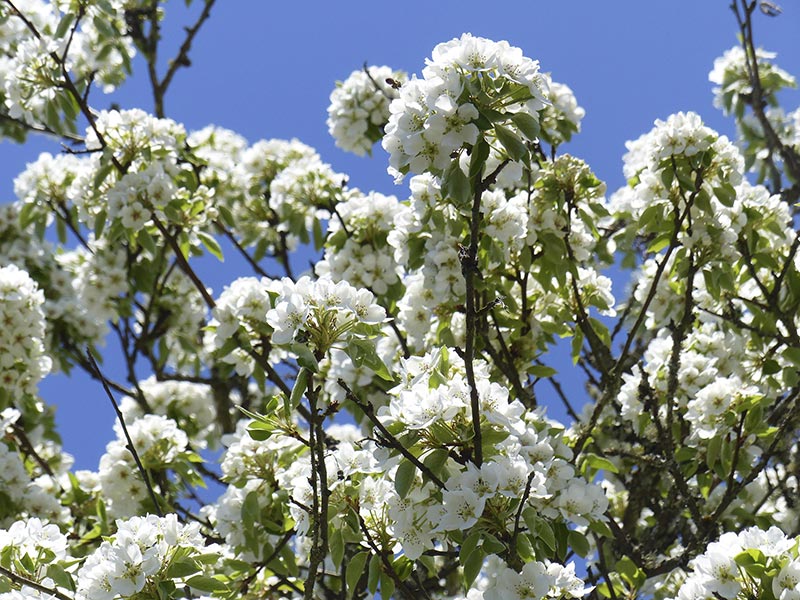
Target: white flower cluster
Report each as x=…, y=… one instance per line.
x=665, y=167
x=764, y=498
x=45, y=182
x=32, y=542
x=354, y=474
x=730, y=74
x=83, y=285
x=356, y=250
x=750, y=564
x=359, y=108
x=137, y=557
x=240, y=312
x=755, y=144
x=23, y=362
x=422, y=235
x=21, y=495
x=158, y=442
x=31, y=78
x=63, y=312
x=529, y=453
x=435, y=116
x=219, y=153
x=33, y=539
x=517, y=225
x=713, y=370
x=246, y=458
x=536, y=580
x=254, y=215
x=325, y=310
x=681, y=134
x=135, y=135
x=562, y=117
x=154, y=182
x=753, y=210
x=338, y=365
x=99, y=278
x=305, y=190
x=190, y=405
x=270, y=193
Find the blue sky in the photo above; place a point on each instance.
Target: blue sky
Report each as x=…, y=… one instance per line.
x=266, y=69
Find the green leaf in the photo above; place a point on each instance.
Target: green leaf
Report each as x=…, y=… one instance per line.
x=660, y=242
x=100, y=223
x=472, y=566
x=577, y=346
x=478, y=156
x=290, y=560
x=387, y=586
x=363, y=354
x=250, y=511
x=578, y=543
x=226, y=216
x=702, y=200
x=64, y=24
x=146, y=241
x=206, y=584
x=374, y=573
x=753, y=562
x=468, y=546
x=598, y=463
x=513, y=146
x=181, y=568
x=63, y=579
x=211, y=244
x=27, y=214
x=336, y=546
x=667, y=177
x=713, y=450
x=685, y=178
x=545, y=533
x=525, y=548
x=726, y=194
x=61, y=230
x=402, y=567
x=792, y=354
x=404, y=477
x=632, y=574
x=253, y=415
x=770, y=367
x=601, y=529
x=260, y=431
x=455, y=185
x=542, y=371
x=319, y=236
x=101, y=174
x=299, y=388
x=305, y=356
x=527, y=124
x=492, y=545
x=436, y=461
x=354, y=571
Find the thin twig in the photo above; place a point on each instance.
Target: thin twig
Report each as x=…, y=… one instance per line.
x=387, y=435
x=19, y=579
x=131, y=447
x=182, y=58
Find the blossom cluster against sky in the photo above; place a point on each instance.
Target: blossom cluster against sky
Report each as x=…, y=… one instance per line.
x=266, y=71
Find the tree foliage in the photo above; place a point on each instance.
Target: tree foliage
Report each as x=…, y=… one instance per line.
x=381, y=417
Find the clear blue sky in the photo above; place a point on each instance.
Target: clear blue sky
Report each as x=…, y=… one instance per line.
x=265, y=69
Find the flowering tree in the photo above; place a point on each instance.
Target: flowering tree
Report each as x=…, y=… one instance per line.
x=381, y=418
